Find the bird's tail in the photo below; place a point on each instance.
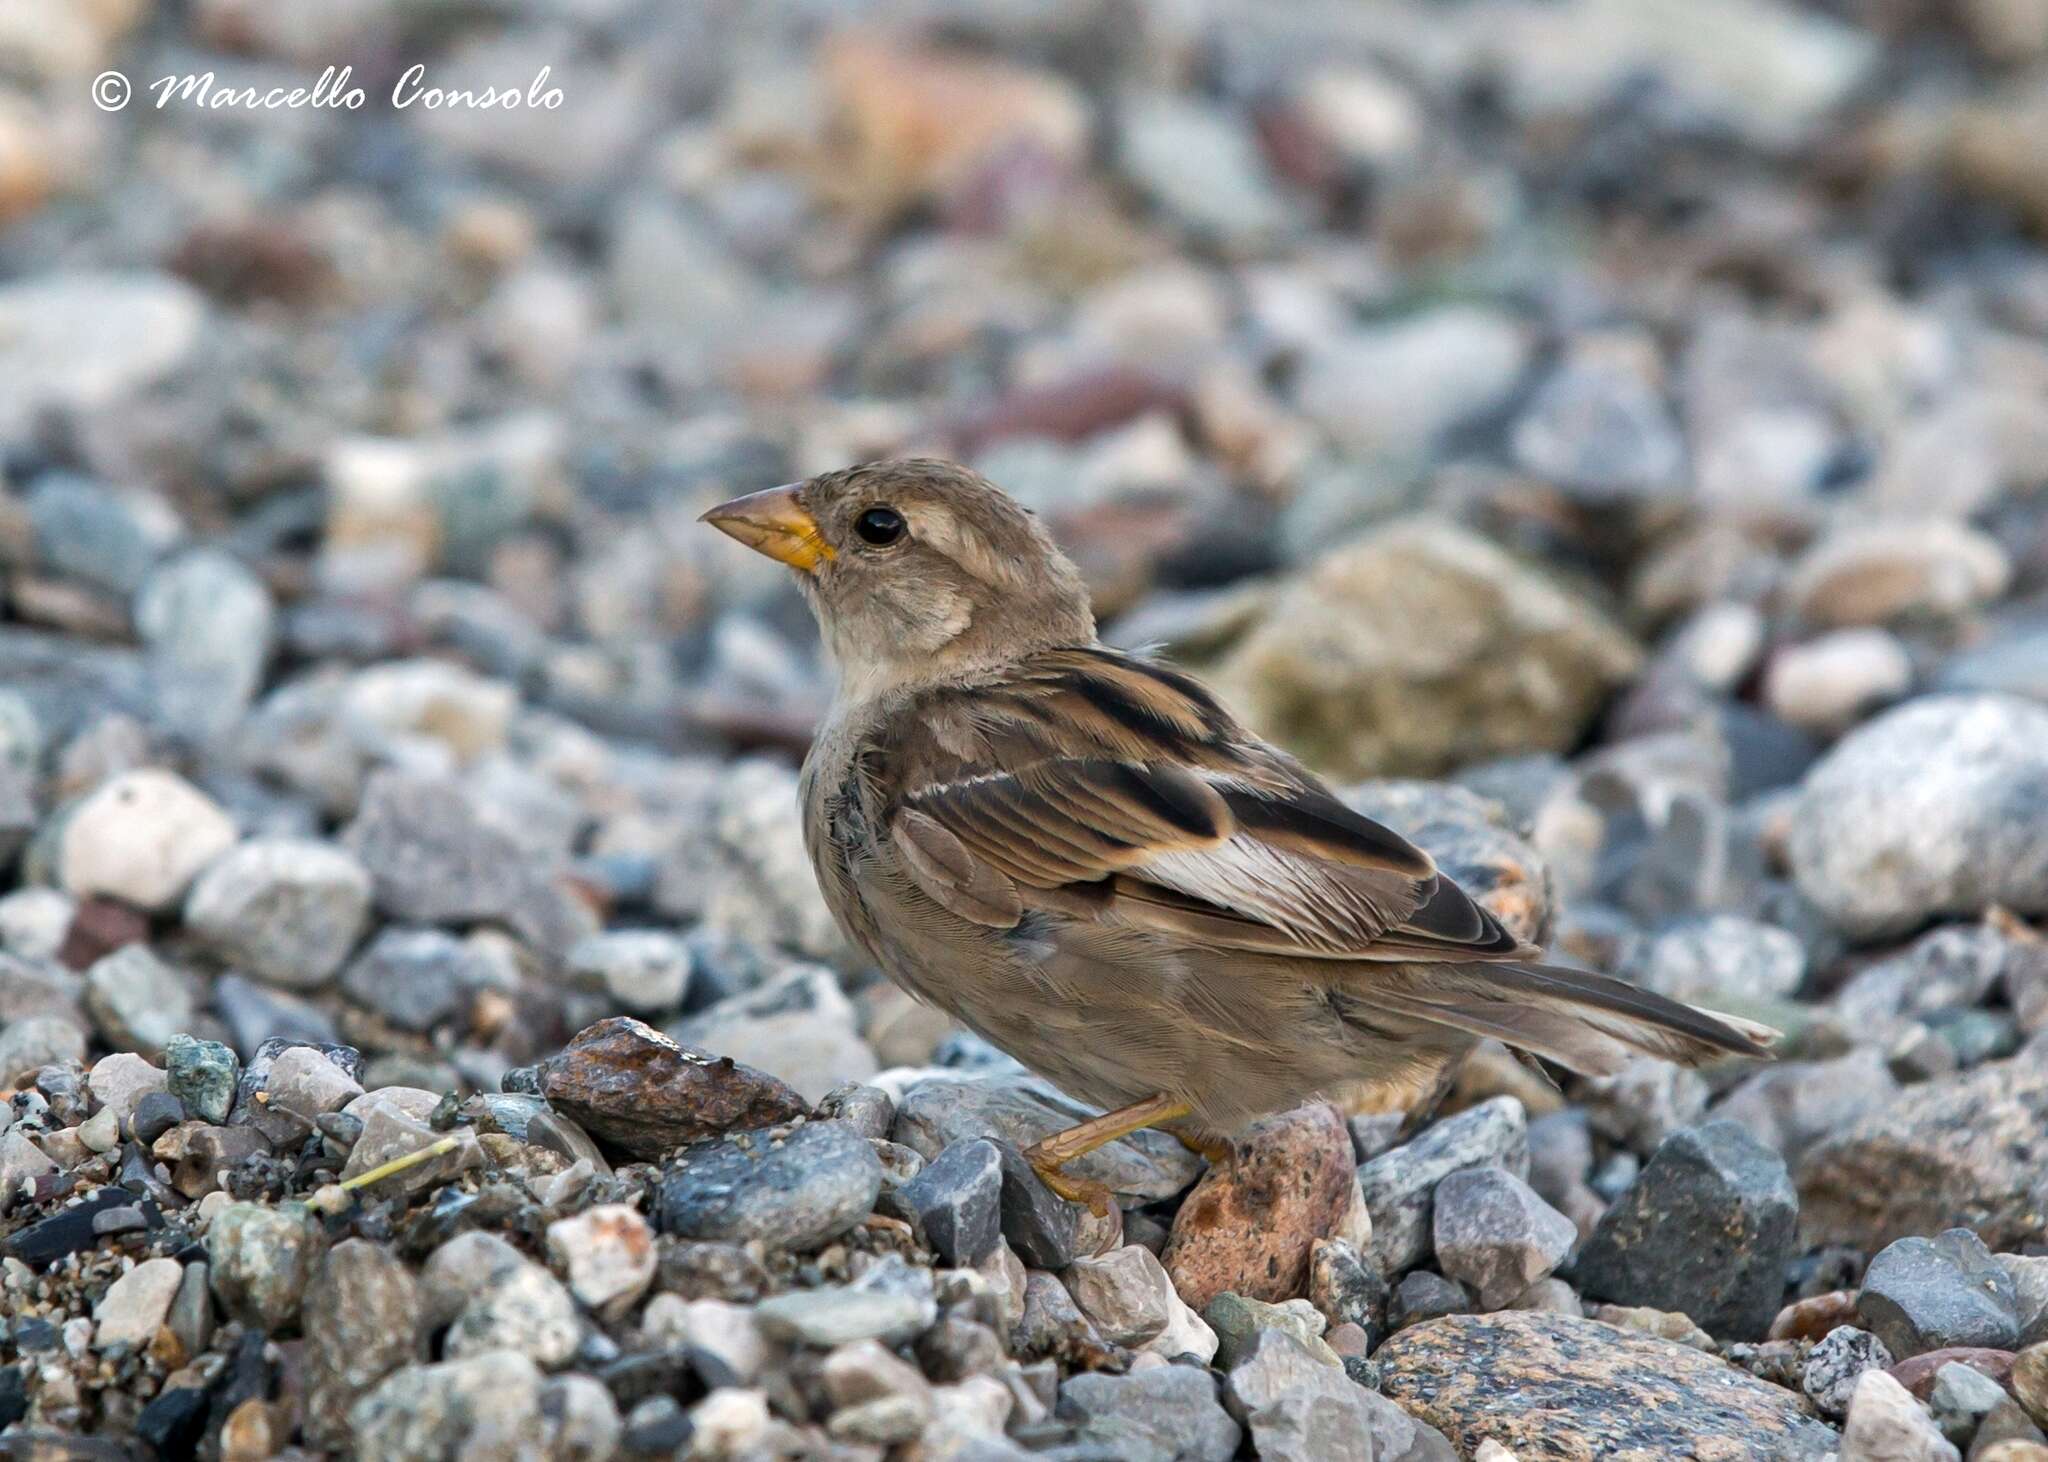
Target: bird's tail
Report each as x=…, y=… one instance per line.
x=1592, y=1024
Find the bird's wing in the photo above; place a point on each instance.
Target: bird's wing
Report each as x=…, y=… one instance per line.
x=1109, y=791
x=1104, y=787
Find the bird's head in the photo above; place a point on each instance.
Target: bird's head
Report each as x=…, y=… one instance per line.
x=918, y=569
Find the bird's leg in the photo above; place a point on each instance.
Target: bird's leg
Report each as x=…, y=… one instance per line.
x=1216, y=1149
x=1048, y=1155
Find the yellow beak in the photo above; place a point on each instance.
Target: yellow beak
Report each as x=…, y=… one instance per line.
x=773, y=522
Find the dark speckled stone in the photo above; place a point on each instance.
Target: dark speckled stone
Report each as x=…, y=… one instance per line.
x=1557, y=1387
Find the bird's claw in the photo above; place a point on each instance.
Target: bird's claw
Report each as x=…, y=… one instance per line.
x=1073, y=1189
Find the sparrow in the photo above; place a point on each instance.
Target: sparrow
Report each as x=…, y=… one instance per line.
x=1083, y=857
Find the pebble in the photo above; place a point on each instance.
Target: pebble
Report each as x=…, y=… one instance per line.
x=288, y=910
x=1494, y=1235
x=301, y=1086
x=141, y=837
x=2030, y=1379
x=842, y=1316
x=1706, y=1229
x=494, y=1298
x=630, y=1085
x=1238, y=1323
x=120, y=1080
x=1923, y=811
x=202, y=1075
x=1129, y=1300
x=1961, y=1400
x=1886, y=1424
x=1173, y=1410
x=157, y=1113
x=1837, y=1363
x=432, y=860
x=608, y=1251
x=1600, y=432
x=1791, y=1105
x=137, y=1000
x=1298, y=1406
x=1834, y=680
x=1346, y=1288
x=473, y=1406
x=1248, y=1224
x=1724, y=957
x=790, y=1187
x=1044, y=1229
x=209, y=627
x=957, y=1197
x=26, y=1046
x=645, y=970
x=729, y=1333
x=361, y=1321
x=136, y=1304
x=877, y=1398
x=259, y=1261
x=389, y=1134
x=1400, y=1184
x=1922, y=1294
x=1376, y=702
x=1872, y=573
x=416, y=978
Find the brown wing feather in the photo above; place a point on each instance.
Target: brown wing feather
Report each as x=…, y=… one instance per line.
x=1117, y=795
x=1084, y=767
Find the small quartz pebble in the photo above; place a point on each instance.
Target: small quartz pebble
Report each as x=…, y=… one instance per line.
x=136, y=1304
x=608, y=1251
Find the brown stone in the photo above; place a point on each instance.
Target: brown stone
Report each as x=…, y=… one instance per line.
x=915, y=123
x=1572, y=1390
x=630, y=1085
x=1248, y=1225
x=1814, y=1316
x=2012, y=1451
x=1917, y=1374
x=2029, y=1380
x=1957, y=1151
x=198, y=1153
x=98, y=928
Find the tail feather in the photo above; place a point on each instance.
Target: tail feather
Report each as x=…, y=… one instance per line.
x=1592, y=1024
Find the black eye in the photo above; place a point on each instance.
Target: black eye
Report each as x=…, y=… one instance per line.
x=879, y=526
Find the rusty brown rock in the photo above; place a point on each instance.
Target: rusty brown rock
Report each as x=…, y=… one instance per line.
x=1815, y=1316
x=1248, y=1224
x=1917, y=1374
x=630, y=1085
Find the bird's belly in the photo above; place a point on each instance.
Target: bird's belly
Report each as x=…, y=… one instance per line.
x=1111, y=1028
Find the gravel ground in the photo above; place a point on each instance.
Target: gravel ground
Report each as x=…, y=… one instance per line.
x=420, y=1035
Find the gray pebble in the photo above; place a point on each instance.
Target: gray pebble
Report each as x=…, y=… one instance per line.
x=791, y=1187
